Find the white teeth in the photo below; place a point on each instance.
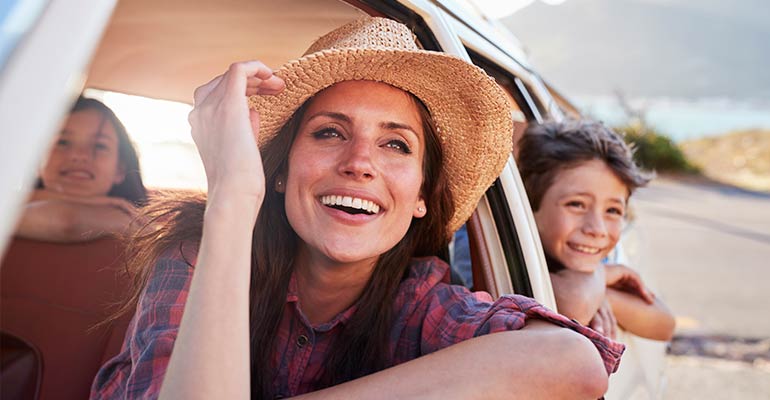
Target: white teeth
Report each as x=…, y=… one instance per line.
x=585, y=249
x=352, y=202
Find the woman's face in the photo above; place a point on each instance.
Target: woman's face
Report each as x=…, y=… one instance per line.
x=581, y=215
x=355, y=172
x=84, y=160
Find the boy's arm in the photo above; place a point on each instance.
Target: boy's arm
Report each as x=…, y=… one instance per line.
x=636, y=309
x=579, y=294
x=652, y=321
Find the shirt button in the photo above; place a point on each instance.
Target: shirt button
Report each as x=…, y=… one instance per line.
x=302, y=340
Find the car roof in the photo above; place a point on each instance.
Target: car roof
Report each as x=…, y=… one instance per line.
x=165, y=49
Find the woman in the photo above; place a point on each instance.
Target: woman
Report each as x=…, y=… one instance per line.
x=371, y=152
x=90, y=184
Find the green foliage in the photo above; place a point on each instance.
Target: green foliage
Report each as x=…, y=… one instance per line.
x=654, y=151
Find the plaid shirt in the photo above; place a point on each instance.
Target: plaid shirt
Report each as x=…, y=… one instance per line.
x=430, y=315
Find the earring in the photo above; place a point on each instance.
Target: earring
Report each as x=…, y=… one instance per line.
x=279, y=186
x=421, y=209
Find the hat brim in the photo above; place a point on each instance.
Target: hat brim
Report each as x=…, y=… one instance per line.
x=471, y=112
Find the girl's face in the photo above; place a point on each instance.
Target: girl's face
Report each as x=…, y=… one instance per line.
x=84, y=160
x=581, y=215
x=355, y=172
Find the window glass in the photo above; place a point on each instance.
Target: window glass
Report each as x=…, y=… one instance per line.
x=16, y=19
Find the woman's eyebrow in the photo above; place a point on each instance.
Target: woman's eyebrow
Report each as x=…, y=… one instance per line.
x=330, y=114
x=398, y=125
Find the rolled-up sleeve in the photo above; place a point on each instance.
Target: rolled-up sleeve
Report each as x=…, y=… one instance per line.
x=448, y=314
x=137, y=371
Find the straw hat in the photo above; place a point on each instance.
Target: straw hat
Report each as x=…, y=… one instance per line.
x=471, y=112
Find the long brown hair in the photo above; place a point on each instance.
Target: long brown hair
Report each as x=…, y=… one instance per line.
x=362, y=346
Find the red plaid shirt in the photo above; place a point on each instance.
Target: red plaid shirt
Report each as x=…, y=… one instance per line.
x=430, y=315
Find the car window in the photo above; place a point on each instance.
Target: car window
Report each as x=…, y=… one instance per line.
x=16, y=18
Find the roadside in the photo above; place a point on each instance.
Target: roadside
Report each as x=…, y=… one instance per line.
x=706, y=248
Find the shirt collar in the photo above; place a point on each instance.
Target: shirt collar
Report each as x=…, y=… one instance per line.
x=292, y=298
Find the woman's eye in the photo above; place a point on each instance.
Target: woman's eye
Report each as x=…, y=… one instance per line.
x=62, y=142
x=616, y=211
x=399, y=145
x=327, y=133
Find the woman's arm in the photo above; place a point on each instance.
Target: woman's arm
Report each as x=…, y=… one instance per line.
x=541, y=361
x=65, y=221
x=578, y=294
x=211, y=355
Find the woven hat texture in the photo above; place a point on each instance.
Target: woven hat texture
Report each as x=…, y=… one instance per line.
x=471, y=112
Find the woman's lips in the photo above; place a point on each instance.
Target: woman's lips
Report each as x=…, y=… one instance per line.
x=350, y=202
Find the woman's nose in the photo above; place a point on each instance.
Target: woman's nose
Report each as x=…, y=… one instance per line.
x=357, y=162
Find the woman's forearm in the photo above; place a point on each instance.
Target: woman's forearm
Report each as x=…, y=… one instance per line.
x=541, y=361
x=211, y=352
x=652, y=321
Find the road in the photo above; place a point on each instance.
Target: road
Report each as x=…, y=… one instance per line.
x=706, y=250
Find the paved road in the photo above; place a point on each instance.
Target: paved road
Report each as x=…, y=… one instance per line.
x=707, y=249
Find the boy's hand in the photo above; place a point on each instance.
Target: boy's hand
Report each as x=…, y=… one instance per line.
x=604, y=321
x=623, y=278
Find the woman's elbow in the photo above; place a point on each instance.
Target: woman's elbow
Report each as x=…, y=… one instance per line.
x=566, y=364
x=588, y=375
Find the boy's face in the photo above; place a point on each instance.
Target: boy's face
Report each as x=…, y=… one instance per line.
x=581, y=215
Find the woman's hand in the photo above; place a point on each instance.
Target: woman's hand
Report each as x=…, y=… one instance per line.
x=604, y=321
x=625, y=279
x=225, y=130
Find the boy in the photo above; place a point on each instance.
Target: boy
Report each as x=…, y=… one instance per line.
x=579, y=176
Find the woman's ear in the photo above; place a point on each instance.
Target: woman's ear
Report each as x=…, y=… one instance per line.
x=280, y=183
x=420, y=210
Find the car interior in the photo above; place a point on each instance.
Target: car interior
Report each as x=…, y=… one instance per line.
x=55, y=296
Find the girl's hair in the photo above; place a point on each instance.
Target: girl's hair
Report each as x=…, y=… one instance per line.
x=547, y=149
x=362, y=346
x=132, y=188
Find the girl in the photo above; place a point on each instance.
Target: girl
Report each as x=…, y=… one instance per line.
x=309, y=264
x=90, y=184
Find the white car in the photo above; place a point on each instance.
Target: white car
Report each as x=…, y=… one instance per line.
x=51, y=50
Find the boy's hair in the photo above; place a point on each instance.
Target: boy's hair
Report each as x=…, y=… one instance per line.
x=551, y=147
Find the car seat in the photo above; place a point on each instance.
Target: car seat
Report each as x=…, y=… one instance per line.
x=52, y=298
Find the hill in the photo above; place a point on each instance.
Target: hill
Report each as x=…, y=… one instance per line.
x=740, y=158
